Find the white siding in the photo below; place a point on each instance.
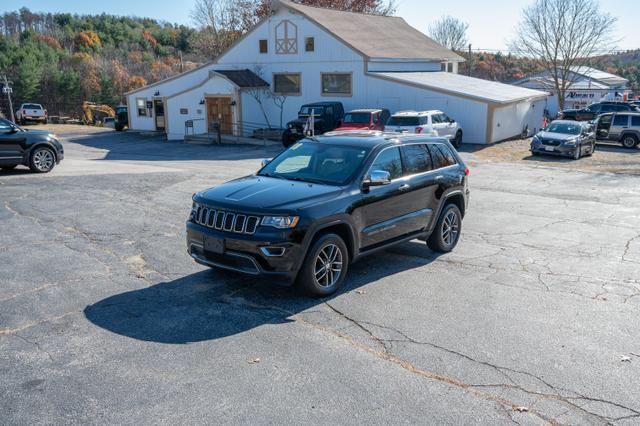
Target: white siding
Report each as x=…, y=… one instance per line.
x=510, y=120
x=402, y=66
x=190, y=100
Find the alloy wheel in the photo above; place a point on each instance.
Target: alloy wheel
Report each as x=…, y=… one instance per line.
x=43, y=160
x=628, y=142
x=328, y=266
x=450, y=228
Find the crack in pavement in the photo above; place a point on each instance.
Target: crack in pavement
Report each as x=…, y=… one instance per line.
x=34, y=343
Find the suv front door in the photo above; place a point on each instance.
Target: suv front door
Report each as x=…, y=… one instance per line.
x=12, y=143
x=386, y=212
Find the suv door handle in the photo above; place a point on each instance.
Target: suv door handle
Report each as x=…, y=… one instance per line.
x=404, y=187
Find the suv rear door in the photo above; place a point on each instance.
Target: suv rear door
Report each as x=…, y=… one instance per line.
x=619, y=124
x=423, y=180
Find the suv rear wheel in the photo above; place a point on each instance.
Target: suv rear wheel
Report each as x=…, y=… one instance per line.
x=457, y=140
x=629, y=141
x=446, y=234
x=325, y=266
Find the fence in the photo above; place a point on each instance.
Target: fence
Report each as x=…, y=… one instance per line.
x=238, y=130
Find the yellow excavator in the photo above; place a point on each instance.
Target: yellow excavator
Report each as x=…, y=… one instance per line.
x=88, y=109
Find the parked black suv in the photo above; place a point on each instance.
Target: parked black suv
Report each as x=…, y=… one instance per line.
x=593, y=110
x=326, y=202
x=327, y=116
x=38, y=149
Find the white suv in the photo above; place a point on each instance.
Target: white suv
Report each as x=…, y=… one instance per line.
x=431, y=123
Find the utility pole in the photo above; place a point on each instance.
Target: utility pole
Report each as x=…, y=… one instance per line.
x=470, y=61
x=6, y=88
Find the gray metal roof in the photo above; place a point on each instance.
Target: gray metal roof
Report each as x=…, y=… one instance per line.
x=243, y=78
x=601, y=76
x=470, y=87
x=376, y=36
x=546, y=83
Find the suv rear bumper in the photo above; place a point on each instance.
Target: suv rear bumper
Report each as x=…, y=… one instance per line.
x=246, y=254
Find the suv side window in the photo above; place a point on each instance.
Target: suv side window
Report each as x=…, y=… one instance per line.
x=441, y=157
x=424, y=120
x=436, y=118
x=376, y=118
x=417, y=159
x=388, y=161
x=446, y=151
x=635, y=120
x=621, y=120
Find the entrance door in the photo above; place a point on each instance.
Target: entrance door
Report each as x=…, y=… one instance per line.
x=219, y=110
x=158, y=107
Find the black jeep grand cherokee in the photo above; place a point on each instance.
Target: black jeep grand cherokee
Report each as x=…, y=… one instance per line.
x=324, y=203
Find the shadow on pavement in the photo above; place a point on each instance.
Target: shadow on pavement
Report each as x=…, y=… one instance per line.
x=152, y=147
x=211, y=304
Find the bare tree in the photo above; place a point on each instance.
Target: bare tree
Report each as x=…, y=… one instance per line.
x=259, y=94
x=450, y=32
x=279, y=101
x=562, y=35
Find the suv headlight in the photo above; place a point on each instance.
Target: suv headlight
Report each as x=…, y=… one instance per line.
x=194, y=209
x=571, y=142
x=280, y=222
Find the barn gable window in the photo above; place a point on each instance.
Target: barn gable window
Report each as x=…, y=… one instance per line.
x=286, y=38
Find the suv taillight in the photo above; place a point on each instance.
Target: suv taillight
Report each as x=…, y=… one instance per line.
x=419, y=129
x=46, y=114
x=24, y=112
x=466, y=171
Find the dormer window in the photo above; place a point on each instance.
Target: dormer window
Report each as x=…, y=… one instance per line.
x=286, y=38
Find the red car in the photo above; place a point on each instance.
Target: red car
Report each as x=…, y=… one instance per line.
x=365, y=119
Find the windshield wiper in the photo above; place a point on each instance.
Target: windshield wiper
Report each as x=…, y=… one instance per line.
x=300, y=179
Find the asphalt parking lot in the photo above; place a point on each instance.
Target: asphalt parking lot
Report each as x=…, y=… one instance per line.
x=104, y=318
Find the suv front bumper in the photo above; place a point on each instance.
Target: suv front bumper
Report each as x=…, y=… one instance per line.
x=267, y=254
x=561, y=150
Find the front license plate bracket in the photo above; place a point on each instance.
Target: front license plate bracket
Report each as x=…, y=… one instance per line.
x=213, y=244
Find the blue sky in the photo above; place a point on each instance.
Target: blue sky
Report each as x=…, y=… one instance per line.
x=490, y=23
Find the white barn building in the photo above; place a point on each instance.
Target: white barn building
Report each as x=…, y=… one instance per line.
x=309, y=54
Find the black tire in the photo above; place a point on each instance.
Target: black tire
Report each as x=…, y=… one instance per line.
x=42, y=160
x=592, y=150
x=310, y=278
x=46, y=121
x=23, y=122
x=629, y=141
x=119, y=127
x=7, y=168
x=446, y=233
x=457, y=140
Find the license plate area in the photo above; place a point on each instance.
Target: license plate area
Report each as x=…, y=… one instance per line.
x=213, y=244
x=549, y=148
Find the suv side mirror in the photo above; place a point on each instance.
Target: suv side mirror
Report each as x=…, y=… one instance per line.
x=377, y=178
x=264, y=162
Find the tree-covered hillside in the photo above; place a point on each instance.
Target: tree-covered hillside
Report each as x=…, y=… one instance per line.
x=61, y=60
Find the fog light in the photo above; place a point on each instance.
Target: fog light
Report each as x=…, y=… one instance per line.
x=273, y=251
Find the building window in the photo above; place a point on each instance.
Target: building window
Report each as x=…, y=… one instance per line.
x=336, y=84
x=264, y=46
x=287, y=84
x=141, y=106
x=286, y=38
x=309, y=44
x=184, y=111
x=450, y=67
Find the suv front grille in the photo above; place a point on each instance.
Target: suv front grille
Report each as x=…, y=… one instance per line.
x=550, y=142
x=222, y=220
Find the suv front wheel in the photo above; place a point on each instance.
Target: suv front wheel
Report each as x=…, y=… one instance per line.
x=446, y=234
x=325, y=266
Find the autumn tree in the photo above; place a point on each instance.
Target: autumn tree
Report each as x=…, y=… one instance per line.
x=562, y=35
x=376, y=7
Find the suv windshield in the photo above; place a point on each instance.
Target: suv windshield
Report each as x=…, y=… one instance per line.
x=404, y=121
x=357, y=117
x=315, y=162
x=566, y=128
x=317, y=111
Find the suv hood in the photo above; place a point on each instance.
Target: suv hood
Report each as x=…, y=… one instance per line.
x=259, y=192
x=556, y=136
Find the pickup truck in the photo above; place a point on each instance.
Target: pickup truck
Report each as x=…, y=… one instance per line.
x=31, y=112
